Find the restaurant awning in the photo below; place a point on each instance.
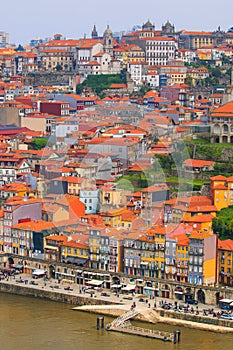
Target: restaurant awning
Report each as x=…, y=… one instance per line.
x=116, y=286
x=151, y=288
x=17, y=266
x=38, y=272
x=129, y=287
x=75, y=260
x=65, y=274
x=95, y=283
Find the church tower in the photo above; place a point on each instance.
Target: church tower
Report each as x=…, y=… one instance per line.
x=108, y=41
x=94, y=33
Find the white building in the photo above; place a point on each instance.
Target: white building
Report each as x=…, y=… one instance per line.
x=4, y=39
x=90, y=198
x=159, y=50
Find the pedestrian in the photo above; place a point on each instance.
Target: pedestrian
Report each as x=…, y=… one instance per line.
x=149, y=305
x=154, y=305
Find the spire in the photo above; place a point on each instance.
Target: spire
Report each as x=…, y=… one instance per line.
x=94, y=33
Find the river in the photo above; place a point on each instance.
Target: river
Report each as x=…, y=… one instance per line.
x=33, y=324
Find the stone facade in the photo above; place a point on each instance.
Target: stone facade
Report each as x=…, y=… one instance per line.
x=221, y=123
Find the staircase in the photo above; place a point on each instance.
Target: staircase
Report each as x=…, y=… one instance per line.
x=123, y=318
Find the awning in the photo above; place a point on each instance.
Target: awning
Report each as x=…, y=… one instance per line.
x=17, y=266
x=38, y=272
x=75, y=260
x=144, y=263
x=65, y=274
x=177, y=292
x=226, y=301
x=151, y=288
x=67, y=281
x=95, y=283
x=129, y=287
x=116, y=286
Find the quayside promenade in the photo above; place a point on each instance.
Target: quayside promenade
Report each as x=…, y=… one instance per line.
x=108, y=303
x=161, y=288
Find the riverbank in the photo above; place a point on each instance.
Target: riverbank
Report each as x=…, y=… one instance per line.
x=115, y=308
x=160, y=316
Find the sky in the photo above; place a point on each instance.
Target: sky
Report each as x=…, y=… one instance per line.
x=27, y=19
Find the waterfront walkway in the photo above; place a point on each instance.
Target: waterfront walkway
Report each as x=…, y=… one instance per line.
x=117, y=305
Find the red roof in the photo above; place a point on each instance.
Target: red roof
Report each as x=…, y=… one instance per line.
x=225, y=245
x=196, y=163
x=218, y=178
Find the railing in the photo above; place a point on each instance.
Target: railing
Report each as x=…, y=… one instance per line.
x=156, y=333
x=121, y=319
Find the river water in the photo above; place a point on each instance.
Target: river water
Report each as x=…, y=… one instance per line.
x=32, y=324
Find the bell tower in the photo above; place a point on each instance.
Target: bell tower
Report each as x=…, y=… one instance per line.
x=108, y=41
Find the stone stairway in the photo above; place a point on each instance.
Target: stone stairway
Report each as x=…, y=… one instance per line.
x=123, y=318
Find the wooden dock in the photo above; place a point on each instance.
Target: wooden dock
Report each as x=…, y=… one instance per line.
x=123, y=325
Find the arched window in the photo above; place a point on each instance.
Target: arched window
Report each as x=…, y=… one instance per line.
x=225, y=129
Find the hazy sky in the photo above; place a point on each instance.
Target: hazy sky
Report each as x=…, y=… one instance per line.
x=25, y=19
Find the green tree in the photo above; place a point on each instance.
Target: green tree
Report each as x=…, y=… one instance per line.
x=223, y=223
x=38, y=143
x=189, y=80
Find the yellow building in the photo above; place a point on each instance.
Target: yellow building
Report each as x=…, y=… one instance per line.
x=182, y=258
x=17, y=190
x=205, y=55
x=73, y=252
x=176, y=78
x=112, y=218
x=159, y=234
x=225, y=262
x=129, y=53
x=112, y=197
x=195, y=210
x=221, y=191
x=200, y=222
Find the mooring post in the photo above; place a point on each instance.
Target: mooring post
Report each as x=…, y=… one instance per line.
x=178, y=336
x=174, y=338
x=102, y=322
x=98, y=323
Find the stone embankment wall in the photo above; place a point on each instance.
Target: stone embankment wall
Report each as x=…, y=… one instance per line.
x=50, y=295
x=206, y=323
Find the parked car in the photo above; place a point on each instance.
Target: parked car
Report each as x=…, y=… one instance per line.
x=33, y=283
x=68, y=288
x=191, y=301
x=226, y=317
x=225, y=307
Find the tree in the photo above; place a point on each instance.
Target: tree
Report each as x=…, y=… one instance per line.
x=38, y=143
x=223, y=223
x=189, y=80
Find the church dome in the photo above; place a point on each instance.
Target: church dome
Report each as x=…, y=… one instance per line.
x=108, y=31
